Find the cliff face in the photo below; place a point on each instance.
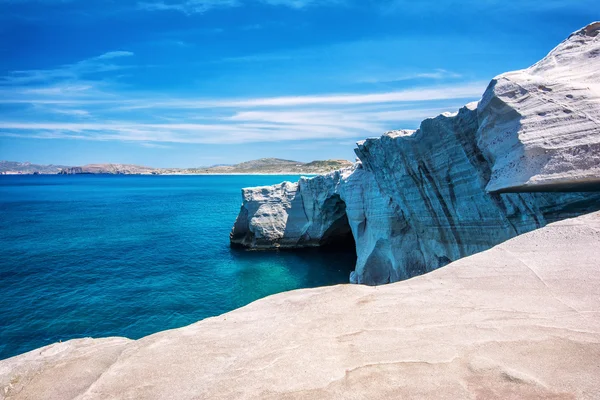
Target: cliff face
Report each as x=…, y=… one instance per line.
x=540, y=127
x=527, y=154
x=518, y=321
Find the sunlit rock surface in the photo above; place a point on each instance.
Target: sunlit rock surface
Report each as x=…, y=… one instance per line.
x=308, y=213
x=527, y=154
x=540, y=127
x=519, y=321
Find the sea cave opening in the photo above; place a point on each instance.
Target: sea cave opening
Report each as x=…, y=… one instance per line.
x=338, y=235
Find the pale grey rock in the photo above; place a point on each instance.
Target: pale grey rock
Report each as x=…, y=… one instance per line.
x=59, y=371
x=460, y=184
x=434, y=185
x=519, y=321
x=309, y=213
x=540, y=127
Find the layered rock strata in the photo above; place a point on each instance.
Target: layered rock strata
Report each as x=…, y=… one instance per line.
x=526, y=155
x=519, y=321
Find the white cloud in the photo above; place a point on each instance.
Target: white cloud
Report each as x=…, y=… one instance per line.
x=417, y=94
x=64, y=103
x=234, y=127
x=98, y=64
x=113, y=54
x=172, y=43
x=154, y=145
x=257, y=58
x=202, y=6
x=467, y=90
x=441, y=6
x=61, y=89
x=187, y=6
x=71, y=112
x=173, y=133
x=302, y=3
x=437, y=74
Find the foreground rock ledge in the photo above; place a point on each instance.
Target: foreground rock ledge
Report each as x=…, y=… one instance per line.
x=521, y=320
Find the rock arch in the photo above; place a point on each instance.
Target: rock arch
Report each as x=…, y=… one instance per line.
x=338, y=234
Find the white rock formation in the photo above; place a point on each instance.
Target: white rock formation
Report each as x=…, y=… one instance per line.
x=291, y=215
x=540, y=126
x=463, y=182
x=519, y=321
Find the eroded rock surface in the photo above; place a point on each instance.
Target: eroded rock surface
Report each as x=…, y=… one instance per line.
x=519, y=321
x=526, y=155
x=540, y=127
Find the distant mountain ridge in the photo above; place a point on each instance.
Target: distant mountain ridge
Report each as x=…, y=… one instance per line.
x=113, y=169
x=266, y=162
x=260, y=166
x=14, y=167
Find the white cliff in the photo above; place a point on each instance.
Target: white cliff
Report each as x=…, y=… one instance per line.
x=540, y=127
x=526, y=155
x=519, y=321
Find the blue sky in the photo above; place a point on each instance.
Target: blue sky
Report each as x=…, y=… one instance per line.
x=187, y=83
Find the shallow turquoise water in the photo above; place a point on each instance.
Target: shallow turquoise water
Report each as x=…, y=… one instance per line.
x=132, y=255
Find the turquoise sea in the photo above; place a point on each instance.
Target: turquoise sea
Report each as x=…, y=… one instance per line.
x=97, y=256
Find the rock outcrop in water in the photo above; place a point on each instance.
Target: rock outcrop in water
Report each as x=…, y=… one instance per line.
x=526, y=155
x=519, y=321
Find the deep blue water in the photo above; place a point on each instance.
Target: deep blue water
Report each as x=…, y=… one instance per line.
x=132, y=255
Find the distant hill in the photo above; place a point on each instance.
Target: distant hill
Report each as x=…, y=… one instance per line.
x=15, y=168
x=114, y=169
x=261, y=166
x=269, y=166
x=267, y=163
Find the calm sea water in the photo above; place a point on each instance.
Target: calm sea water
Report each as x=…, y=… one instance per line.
x=132, y=255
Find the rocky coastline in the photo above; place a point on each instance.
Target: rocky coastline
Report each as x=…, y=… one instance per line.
x=527, y=154
x=494, y=194
x=517, y=321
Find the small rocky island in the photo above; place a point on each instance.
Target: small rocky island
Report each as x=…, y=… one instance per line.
x=517, y=320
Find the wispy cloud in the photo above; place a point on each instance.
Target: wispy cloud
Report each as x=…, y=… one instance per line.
x=154, y=145
x=188, y=6
x=71, y=112
x=303, y=3
x=61, y=89
x=65, y=103
x=112, y=54
x=410, y=6
x=102, y=63
x=174, y=133
x=202, y=6
x=257, y=58
x=232, y=126
x=437, y=74
x=466, y=90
